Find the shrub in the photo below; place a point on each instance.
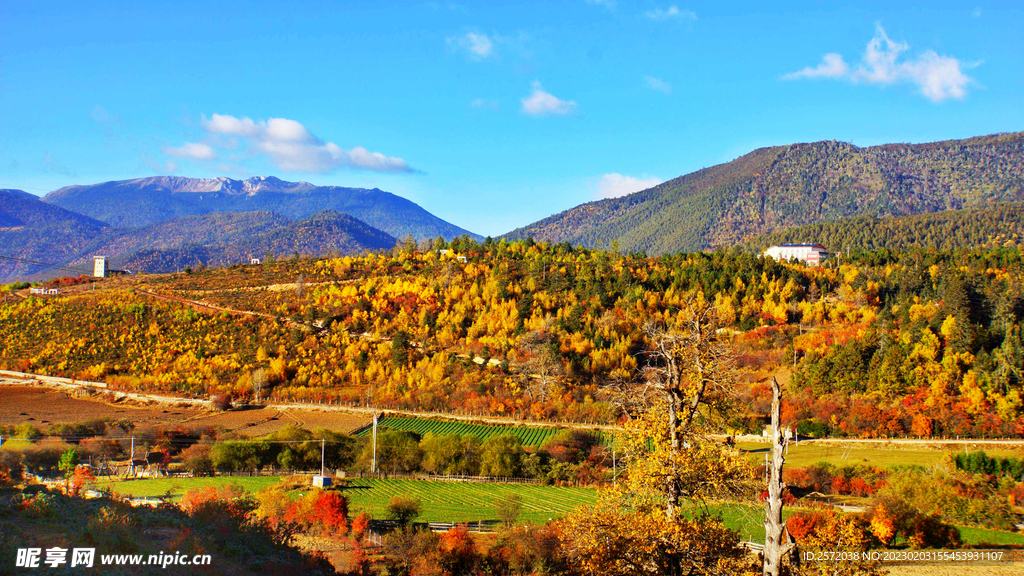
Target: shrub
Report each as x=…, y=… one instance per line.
x=196, y=459
x=111, y=530
x=79, y=478
x=331, y=513
x=457, y=553
x=360, y=524
x=221, y=401
x=11, y=468
x=508, y=508
x=404, y=510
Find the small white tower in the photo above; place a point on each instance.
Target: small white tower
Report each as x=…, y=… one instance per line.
x=99, y=269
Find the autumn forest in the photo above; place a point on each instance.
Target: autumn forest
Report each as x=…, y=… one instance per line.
x=881, y=344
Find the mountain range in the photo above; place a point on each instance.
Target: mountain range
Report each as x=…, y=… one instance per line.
x=776, y=188
x=828, y=191
x=164, y=223
x=145, y=201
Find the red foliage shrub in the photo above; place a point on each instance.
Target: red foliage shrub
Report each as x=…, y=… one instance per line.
x=804, y=523
x=457, y=551
x=359, y=525
x=860, y=487
x=221, y=401
x=81, y=475
x=840, y=485
x=210, y=500
x=797, y=477
x=331, y=513
x=1016, y=494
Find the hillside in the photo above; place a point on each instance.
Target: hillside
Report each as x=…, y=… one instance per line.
x=887, y=344
x=1000, y=224
x=785, y=186
x=31, y=229
x=175, y=222
x=226, y=239
x=34, y=230
x=146, y=201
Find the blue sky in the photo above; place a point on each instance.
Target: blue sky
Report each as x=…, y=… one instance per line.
x=490, y=116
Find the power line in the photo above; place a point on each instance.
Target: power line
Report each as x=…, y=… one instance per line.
x=45, y=265
x=23, y=188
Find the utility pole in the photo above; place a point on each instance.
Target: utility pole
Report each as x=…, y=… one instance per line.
x=373, y=465
x=323, y=450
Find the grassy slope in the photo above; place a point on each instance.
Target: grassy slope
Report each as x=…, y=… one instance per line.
x=530, y=435
x=878, y=456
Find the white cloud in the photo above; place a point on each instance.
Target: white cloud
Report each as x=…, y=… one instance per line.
x=880, y=58
x=289, y=145
x=478, y=46
x=193, y=150
x=936, y=77
x=658, y=84
x=541, y=103
x=832, y=66
x=614, y=185
x=484, y=103
x=670, y=13
x=222, y=124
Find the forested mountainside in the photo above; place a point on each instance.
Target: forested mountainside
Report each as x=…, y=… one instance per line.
x=236, y=238
x=991, y=225
x=63, y=241
x=59, y=239
x=146, y=201
x=918, y=342
x=31, y=229
x=780, y=187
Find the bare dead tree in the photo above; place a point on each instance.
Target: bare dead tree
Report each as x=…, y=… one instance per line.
x=690, y=370
x=775, y=548
x=258, y=379
x=537, y=365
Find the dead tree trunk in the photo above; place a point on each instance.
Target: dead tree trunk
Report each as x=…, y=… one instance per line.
x=775, y=549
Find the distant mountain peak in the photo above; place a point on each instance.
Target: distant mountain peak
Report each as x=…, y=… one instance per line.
x=248, y=187
x=144, y=201
x=258, y=184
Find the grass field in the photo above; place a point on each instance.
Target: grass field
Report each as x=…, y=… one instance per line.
x=977, y=536
x=530, y=436
x=175, y=487
x=466, y=502
x=442, y=501
x=881, y=456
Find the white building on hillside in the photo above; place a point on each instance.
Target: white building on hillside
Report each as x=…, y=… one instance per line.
x=810, y=254
x=99, y=268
